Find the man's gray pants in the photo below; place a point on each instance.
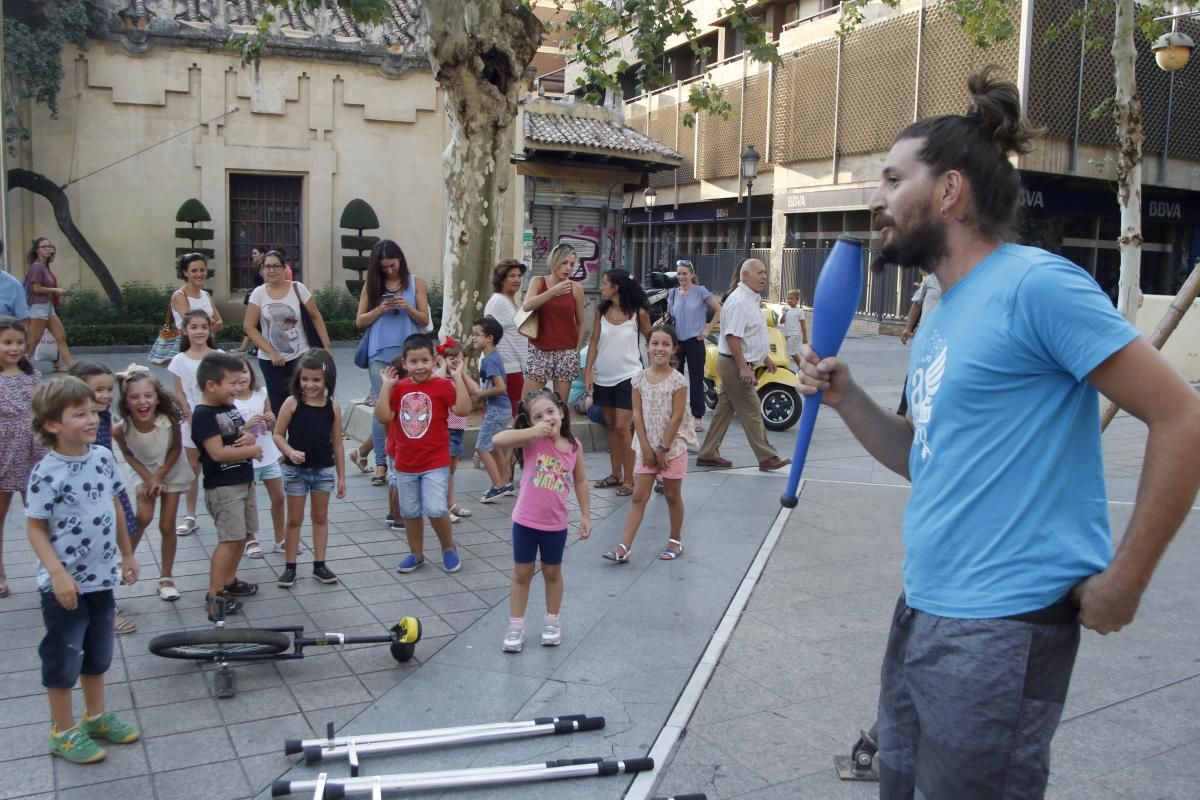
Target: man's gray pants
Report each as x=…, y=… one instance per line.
x=967, y=707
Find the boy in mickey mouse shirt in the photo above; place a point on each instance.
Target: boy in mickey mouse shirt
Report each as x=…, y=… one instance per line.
x=76, y=526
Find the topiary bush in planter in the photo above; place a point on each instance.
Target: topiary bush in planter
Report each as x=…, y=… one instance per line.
x=193, y=211
x=358, y=216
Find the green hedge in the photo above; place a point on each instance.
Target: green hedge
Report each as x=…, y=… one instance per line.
x=121, y=333
x=144, y=303
x=89, y=316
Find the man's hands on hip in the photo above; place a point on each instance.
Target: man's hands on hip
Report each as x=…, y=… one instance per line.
x=1106, y=603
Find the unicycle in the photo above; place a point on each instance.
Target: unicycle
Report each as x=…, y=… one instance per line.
x=221, y=644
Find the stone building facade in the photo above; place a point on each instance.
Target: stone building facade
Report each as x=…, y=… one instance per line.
x=160, y=112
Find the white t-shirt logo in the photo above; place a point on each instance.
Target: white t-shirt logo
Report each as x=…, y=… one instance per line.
x=927, y=379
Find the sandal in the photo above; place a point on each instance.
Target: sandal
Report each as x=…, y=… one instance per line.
x=358, y=459
x=607, y=483
x=167, y=590
x=122, y=626
x=187, y=527
x=458, y=511
x=624, y=490
x=658, y=487
x=379, y=479
x=3, y=585
x=252, y=549
x=668, y=554
x=619, y=554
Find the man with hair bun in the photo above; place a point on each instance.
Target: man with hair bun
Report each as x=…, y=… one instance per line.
x=1006, y=536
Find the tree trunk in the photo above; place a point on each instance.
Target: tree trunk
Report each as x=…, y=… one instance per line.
x=1127, y=111
x=40, y=184
x=479, y=53
x=1163, y=330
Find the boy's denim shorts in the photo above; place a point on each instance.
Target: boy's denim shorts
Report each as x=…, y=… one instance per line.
x=494, y=420
x=300, y=481
x=422, y=494
x=78, y=642
x=456, y=442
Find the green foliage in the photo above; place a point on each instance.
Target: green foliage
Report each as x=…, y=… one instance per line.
x=144, y=304
x=358, y=243
x=358, y=215
x=336, y=303
x=113, y=334
x=192, y=211
x=434, y=294
x=343, y=331
x=195, y=234
x=33, y=44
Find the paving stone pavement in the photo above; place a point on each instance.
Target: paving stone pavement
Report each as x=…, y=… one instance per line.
x=794, y=685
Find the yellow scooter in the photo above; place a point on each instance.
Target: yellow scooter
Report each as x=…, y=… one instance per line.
x=777, y=393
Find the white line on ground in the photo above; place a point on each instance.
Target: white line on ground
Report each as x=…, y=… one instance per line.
x=685, y=706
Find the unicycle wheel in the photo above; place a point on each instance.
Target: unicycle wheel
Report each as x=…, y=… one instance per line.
x=218, y=644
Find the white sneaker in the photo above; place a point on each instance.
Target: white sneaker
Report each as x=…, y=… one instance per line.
x=514, y=639
x=551, y=633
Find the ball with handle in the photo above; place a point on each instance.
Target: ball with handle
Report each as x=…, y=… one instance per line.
x=835, y=300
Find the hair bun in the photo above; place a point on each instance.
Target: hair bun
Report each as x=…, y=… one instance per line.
x=996, y=103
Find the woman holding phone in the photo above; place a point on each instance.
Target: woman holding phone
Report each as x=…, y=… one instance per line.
x=393, y=305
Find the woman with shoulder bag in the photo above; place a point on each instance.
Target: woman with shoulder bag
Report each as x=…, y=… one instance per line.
x=394, y=305
x=291, y=325
x=558, y=300
x=687, y=307
x=43, y=295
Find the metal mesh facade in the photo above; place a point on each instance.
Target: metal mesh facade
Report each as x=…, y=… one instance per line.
x=754, y=131
x=664, y=125
x=947, y=56
x=1055, y=88
x=878, y=84
x=802, y=128
x=720, y=153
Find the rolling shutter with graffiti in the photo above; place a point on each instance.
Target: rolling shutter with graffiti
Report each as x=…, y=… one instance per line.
x=586, y=222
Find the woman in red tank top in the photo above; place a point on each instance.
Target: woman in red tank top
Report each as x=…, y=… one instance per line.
x=554, y=354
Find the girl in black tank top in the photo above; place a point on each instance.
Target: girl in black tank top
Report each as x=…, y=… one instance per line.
x=308, y=426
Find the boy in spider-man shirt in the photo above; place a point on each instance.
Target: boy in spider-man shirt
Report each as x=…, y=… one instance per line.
x=416, y=410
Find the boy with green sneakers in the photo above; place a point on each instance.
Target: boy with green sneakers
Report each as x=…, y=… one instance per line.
x=77, y=527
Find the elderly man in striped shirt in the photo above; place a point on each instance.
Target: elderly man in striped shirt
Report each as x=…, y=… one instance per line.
x=743, y=344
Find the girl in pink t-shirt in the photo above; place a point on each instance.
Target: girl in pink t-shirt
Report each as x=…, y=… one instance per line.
x=551, y=462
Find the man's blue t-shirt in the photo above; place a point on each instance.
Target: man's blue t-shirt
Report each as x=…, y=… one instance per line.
x=493, y=365
x=1008, y=508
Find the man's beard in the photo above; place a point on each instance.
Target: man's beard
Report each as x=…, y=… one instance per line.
x=922, y=246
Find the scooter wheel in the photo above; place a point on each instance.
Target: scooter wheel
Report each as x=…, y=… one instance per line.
x=403, y=652
x=863, y=759
x=408, y=631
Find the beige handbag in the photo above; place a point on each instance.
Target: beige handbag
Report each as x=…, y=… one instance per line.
x=527, y=323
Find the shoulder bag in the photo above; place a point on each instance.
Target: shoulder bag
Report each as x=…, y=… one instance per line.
x=310, y=330
x=527, y=321
x=166, y=344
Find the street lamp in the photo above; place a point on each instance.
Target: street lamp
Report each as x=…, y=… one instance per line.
x=749, y=172
x=649, y=197
x=1173, y=49
x=1171, y=52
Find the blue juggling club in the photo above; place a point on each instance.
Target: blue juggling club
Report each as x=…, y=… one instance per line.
x=835, y=300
